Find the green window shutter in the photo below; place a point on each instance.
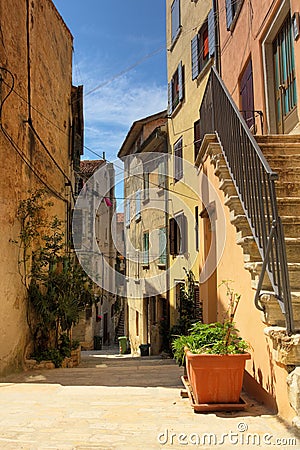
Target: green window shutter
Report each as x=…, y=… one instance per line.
x=146, y=248
x=195, y=56
x=162, y=246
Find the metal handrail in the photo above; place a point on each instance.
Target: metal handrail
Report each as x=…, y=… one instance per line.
x=254, y=181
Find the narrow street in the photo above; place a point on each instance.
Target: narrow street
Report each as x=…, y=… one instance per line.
x=120, y=402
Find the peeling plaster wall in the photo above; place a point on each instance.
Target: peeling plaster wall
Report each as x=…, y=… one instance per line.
x=51, y=81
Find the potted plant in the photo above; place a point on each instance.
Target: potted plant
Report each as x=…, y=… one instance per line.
x=215, y=357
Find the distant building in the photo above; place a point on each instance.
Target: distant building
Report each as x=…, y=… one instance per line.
x=93, y=241
x=144, y=153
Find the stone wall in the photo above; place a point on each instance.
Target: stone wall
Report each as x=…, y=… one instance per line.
x=28, y=151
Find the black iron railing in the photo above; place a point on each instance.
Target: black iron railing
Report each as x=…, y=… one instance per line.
x=254, y=182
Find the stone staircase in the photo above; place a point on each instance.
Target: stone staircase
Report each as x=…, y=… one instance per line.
x=120, y=329
x=283, y=154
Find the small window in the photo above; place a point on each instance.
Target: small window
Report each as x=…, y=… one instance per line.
x=146, y=249
x=175, y=19
x=203, y=45
x=162, y=260
x=178, y=232
x=178, y=161
x=138, y=205
x=175, y=89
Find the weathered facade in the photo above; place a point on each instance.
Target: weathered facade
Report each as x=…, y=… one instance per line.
x=190, y=43
x=93, y=240
x=144, y=153
x=258, y=60
x=36, y=144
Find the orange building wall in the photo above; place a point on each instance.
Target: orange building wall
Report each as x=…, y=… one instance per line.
x=264, y=379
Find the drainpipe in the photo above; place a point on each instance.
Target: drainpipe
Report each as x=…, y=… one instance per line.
x=215, y=5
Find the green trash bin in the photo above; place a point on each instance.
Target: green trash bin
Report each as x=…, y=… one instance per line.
x=144, y=348
x=97, y=343
x=122, y=344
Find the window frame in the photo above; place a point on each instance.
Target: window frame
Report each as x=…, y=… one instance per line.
x=176, y=89
x=127, y=213
x=207, y=30
x=138, y=206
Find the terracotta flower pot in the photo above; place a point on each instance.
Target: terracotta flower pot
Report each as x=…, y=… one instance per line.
x=216, y=378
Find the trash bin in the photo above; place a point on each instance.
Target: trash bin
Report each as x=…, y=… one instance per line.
x=144, y=348
x=122, y=344
x=97, y=343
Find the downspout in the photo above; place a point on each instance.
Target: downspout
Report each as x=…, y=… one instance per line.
x=215, y=4
x=28, y=63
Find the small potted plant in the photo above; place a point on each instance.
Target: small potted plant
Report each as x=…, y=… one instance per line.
x=215, y=357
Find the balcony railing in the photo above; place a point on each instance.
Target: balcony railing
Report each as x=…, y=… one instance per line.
x=255, y=185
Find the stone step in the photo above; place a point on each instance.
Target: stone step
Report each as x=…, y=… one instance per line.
x=255, y=270
x=287, y=189
x=277, y=138
x=273, y=314
x=226, y=185
x=291, y=225
x=251, y=252
x=288, y=206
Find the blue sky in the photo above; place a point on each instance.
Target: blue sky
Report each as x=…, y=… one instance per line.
x=109, y=37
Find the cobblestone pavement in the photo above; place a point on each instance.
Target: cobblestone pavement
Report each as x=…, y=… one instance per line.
x=120, y=402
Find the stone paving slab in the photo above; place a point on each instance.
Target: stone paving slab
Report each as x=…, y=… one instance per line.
x=52, y=410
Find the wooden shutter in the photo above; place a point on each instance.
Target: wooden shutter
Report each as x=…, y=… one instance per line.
x=175, y=17
x=229, y=15
x=211, y=32
x=183, y=233
x=173, y=236
x=180, y=81
x=195, y=56
x=197, y=138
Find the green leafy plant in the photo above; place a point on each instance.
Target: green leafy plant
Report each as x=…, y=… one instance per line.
x=214, y=338
x=57, y=287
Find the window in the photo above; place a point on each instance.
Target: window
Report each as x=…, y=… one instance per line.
x=233, y=8
x=137, y=322
x=175, y=19
x=178, y=161
x=162, y=237
x=127, y=213
x=175, y=89
x=197, y=138
x=138, y=205
x=203, y=45
x=146, y=248
x=178, y=234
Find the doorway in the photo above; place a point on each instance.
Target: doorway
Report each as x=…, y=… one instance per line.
x=285, y=78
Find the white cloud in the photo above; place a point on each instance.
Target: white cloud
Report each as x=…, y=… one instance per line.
x=111, y=110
